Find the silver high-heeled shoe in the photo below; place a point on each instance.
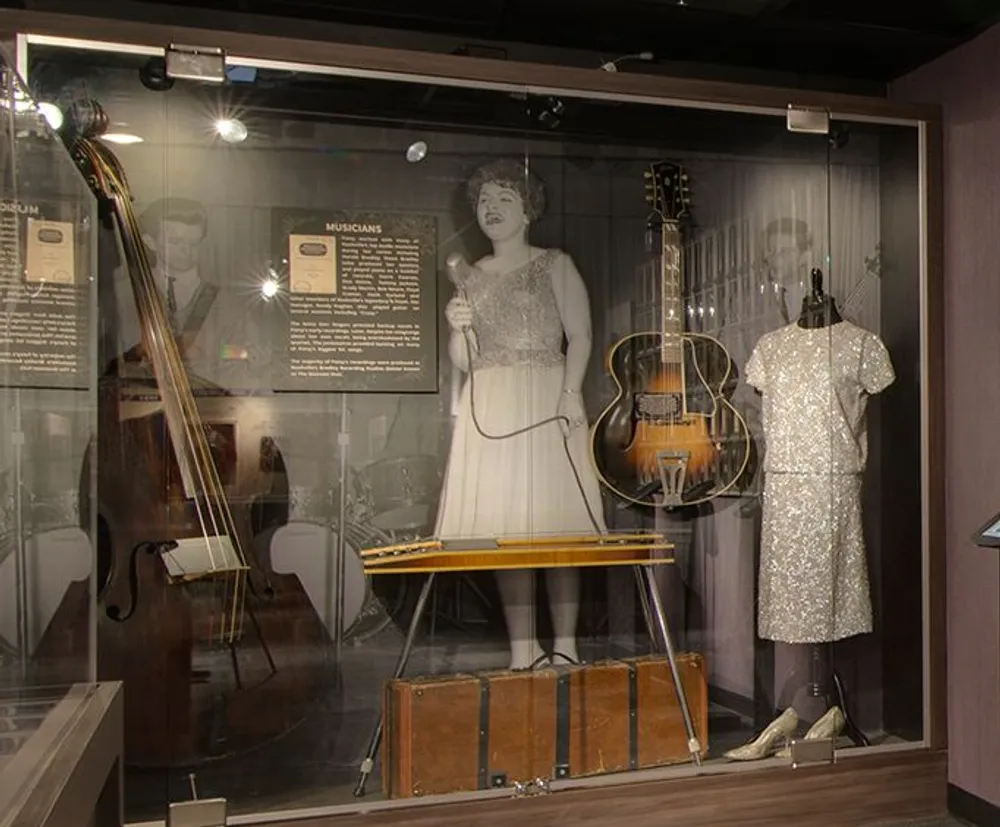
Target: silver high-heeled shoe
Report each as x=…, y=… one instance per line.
x=767, y=743
x=829, y=725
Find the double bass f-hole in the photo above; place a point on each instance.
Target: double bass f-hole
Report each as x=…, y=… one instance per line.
x=113, y=611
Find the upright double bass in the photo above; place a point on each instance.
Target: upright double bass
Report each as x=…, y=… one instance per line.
x=218, y=653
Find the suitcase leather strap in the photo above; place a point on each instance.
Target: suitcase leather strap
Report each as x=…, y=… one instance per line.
x=484, y=733
x=562, y=768
x=633, y=717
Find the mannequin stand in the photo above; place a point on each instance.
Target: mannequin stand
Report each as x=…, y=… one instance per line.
x=832, y=718
x=826, y=682
x=431, y=558
x=823, y=689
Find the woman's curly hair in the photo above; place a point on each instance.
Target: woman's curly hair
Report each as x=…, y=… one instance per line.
x=513, y=174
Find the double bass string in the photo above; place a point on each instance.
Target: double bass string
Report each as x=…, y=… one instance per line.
x=212, y=492
x=179, y=403
x=153, y=324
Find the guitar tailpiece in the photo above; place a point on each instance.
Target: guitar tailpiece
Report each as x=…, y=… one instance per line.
x=673, y=472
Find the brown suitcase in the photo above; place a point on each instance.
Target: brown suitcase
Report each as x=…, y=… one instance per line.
x=462, y=732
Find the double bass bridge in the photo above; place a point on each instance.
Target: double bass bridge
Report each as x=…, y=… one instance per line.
x=190, y=559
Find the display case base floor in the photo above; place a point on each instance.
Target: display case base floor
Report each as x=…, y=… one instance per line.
x=489, y=730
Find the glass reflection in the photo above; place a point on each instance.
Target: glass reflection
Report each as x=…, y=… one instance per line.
x=336, y=253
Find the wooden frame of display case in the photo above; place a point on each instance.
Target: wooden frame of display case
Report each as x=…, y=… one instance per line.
x=884, y=783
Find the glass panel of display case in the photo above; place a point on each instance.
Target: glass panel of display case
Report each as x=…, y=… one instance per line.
x=522, y=408
x=880, y=291
x=47, y=417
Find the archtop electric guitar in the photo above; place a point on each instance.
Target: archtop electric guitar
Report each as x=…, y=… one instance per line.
x=670, y=437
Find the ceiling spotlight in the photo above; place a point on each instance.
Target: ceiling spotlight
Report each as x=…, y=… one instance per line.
x=231, y=130
x=53, y=115
x=121, y=138
x=153, y=75
x=548, y=111
x=416, y=152
x=269, y=288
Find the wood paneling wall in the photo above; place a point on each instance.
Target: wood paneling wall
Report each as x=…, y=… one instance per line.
x=964, y=83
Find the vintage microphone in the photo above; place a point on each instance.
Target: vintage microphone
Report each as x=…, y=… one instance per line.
x=458, y=270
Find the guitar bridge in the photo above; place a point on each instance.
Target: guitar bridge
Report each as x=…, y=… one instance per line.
x=672, y=466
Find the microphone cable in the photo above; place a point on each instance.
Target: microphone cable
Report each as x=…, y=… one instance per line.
x=517, y=432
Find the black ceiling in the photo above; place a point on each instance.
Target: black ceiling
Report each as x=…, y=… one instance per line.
x=875, y=40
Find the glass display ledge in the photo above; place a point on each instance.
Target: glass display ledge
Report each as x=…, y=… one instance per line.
x=67, y=772
x=24, y=710
x=34, y=722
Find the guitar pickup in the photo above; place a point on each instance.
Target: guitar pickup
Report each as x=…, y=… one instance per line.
x=659, y=407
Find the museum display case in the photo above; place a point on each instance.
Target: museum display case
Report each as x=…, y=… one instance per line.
x=48, y=420
x=466, y=439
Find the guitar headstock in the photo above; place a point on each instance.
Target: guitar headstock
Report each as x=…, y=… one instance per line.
x=667, y=190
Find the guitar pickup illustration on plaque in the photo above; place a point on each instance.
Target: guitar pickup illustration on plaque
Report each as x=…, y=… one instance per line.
x=312, y=264
x=50, y=252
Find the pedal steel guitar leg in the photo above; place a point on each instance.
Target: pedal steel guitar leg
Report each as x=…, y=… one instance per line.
x=368, y=764
x=647, y=612
x=694, y=745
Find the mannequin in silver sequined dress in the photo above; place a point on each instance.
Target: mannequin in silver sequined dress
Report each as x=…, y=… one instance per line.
x=816, y=376
x=513, y=312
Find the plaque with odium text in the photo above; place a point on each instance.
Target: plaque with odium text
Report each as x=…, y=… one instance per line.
x=361, y=301
x=45, y=290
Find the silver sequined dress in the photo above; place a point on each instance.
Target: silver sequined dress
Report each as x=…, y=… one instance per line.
x=522, y=485
x=813, y=581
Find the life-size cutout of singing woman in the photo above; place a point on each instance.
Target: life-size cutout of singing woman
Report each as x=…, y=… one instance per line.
x=513, y=312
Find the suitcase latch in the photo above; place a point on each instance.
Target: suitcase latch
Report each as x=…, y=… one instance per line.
x=540, y=786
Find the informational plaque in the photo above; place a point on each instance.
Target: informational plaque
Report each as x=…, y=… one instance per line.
x=44, y=292
x=361, y=301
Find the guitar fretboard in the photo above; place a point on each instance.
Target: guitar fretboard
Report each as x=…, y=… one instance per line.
x=672, y=303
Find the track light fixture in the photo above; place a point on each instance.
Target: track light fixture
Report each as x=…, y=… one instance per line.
x=612, y=65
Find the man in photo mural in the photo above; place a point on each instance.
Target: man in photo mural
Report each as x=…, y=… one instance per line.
x=206, y=319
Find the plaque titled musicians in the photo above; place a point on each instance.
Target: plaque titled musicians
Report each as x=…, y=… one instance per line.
x=44, y=291
x=361, y=301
